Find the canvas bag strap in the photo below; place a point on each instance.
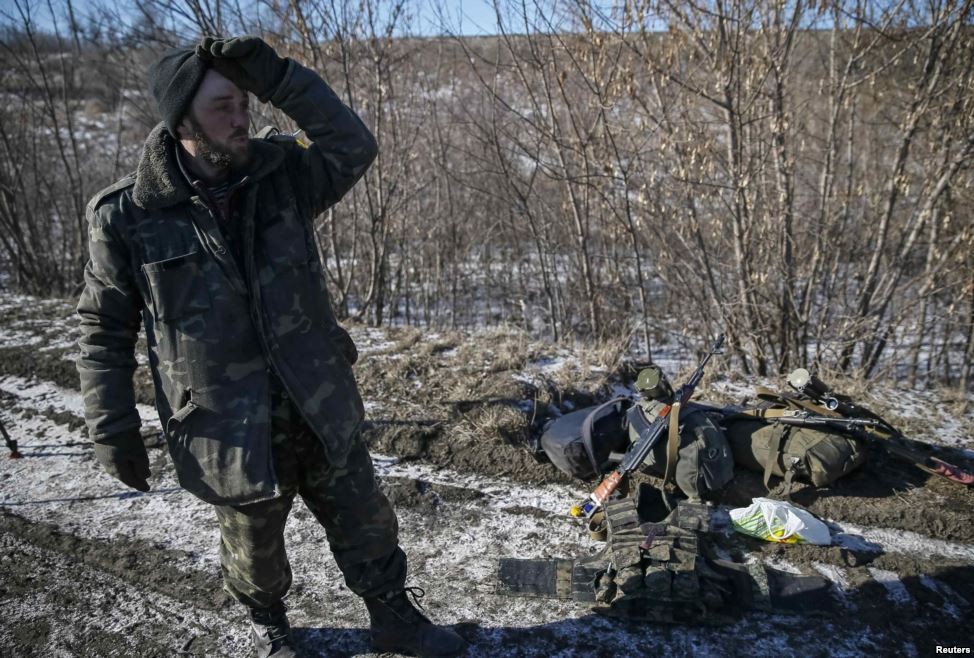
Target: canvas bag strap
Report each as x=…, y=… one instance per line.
x=672, y=443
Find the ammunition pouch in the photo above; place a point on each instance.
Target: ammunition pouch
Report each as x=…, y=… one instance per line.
x=658, y=572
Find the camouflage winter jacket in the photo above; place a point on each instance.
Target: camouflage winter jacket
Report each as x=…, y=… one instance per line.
x=215, y=333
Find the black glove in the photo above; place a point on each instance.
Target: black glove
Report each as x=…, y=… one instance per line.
x=248, y=62
x=345, y=343
x=125, y=458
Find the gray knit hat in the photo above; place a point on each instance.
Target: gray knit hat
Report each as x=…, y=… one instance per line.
x=174, y=79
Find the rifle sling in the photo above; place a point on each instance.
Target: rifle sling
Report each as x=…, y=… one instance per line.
x=769, y=414
x=672, y=443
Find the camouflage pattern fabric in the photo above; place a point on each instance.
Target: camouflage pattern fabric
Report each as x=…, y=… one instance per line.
x=664, y=572
x=705, y=462
x=668, y=582
x=656, y=571
x=359, y=521
x=217, y=332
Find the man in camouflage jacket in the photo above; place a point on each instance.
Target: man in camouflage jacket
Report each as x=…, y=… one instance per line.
x=209, y=245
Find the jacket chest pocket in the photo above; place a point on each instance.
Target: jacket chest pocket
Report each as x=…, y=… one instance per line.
x=177, y=286
x=284, y=240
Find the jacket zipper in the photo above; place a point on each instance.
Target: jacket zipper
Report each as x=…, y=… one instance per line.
x=257, y=310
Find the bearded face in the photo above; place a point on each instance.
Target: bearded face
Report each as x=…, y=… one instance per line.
x=215, y=127
x=230, y=153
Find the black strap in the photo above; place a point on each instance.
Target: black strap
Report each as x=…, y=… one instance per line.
x=637, y=420
x=11, y=444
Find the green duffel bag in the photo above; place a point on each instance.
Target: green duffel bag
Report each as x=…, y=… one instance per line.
x=801, y=453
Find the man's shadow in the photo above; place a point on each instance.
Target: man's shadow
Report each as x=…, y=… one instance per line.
x=925, y=610
x=536, y=640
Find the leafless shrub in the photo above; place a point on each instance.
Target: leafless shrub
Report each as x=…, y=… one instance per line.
x=797, y=175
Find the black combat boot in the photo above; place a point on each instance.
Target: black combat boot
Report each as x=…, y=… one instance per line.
x=397, y=626
x=272, y=632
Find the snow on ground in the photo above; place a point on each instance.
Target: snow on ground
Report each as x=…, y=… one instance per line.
x=948, y=594
x=463, y=523
x=59, y=483
x=501, y=493
x=782, y=564
x=43, y=395
x=898, y=593
x=834, y=574
x=11, y=337
x=849, y=535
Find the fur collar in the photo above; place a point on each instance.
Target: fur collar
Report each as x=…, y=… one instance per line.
x=159, y=183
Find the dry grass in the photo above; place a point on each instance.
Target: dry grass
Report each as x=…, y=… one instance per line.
x=405, y=338
x=441, y=344
x=495, y=421
x=476, y=401
x=498, y=349
x=608, y=355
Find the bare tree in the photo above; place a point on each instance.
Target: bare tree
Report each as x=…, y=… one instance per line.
x=796, y=174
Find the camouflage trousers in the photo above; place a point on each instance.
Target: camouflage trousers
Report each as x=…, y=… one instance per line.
x=359, y=521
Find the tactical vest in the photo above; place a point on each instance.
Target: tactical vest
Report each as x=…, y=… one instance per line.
x=658, y=572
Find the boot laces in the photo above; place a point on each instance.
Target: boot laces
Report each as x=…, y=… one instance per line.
x=404, y=608
x=276, y=636
x=416, y=593
x=275, y=639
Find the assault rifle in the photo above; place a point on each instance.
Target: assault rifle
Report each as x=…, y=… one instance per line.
x=647, y=440
x=808, y=419
x=840, y=411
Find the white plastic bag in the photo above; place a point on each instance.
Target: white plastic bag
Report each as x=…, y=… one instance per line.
x=779, y=521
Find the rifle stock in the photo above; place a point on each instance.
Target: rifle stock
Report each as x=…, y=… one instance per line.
x=873, y=427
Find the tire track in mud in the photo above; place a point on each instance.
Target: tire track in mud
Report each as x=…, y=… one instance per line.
x=165, y=571
x=172, y=611
x=57, y=603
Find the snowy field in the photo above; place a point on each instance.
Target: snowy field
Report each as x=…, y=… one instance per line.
x=91, y=568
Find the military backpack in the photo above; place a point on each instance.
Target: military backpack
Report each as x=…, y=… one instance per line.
x=702, y=464
x=582, y=443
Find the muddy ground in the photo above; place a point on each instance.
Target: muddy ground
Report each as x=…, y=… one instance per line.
x=88, y=568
